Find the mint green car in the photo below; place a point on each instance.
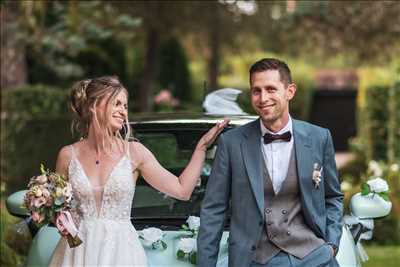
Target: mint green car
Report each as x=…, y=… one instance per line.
x=172, y=139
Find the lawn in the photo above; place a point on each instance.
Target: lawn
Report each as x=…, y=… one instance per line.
x=383, y=256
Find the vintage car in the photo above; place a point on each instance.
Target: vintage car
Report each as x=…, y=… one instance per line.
x=172, y=138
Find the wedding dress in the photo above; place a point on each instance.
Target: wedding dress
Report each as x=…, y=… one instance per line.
x=109, y=238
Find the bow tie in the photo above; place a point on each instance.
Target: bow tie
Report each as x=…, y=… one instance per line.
x=268, y=138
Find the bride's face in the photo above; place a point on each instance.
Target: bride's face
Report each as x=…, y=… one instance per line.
x=113, y=112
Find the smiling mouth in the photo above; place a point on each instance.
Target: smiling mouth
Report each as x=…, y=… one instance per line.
x=266, y=107
x=119, y=119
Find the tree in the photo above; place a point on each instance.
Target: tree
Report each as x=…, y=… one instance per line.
x=364, y=31
x=13, y=64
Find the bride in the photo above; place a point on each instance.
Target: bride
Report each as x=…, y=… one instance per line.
x=103, y=168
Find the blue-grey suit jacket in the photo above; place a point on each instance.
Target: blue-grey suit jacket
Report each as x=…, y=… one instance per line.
x=236, y=180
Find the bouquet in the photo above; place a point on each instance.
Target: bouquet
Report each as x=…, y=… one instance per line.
x=49, y=200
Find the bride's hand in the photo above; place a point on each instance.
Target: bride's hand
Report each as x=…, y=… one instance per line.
x=208, y=138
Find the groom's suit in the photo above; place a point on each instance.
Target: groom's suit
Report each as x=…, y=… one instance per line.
x=238, y=181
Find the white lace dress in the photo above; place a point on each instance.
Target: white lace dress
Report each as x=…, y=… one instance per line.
x=109, y=238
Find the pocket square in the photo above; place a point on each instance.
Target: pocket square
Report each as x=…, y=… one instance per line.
x=317, y=174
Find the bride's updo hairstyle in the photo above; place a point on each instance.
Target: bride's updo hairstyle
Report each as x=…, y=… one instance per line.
x=86, y=95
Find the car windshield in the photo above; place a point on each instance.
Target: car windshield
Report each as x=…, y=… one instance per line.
x=173, y=149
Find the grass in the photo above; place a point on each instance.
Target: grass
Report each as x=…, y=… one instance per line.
x=382, y=256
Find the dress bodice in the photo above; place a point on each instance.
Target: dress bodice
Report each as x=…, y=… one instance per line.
x=116, y=196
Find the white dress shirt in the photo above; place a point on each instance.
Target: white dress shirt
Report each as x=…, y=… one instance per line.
x=277, y=155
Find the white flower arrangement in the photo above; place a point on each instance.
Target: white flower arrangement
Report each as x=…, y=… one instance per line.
x=192, y=225
x=376, y=186
x=187, y=249
x=152, y=237
x=187, y=245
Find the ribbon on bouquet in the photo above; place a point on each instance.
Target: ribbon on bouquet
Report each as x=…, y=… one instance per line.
x=65, y=224
x=351, y=220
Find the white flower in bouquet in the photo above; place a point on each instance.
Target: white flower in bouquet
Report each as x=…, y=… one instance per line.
x=374, y=167
x=152, y=236
x=193, y=223
x=378, y=185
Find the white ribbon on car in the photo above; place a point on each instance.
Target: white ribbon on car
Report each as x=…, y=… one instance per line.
x=223, y=102
x=352, y=220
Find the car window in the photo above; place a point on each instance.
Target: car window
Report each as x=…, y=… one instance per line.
x=173, y=150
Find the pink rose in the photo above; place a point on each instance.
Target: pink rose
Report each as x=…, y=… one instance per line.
x=38, y=202
x=37, y=217
x=41, y=179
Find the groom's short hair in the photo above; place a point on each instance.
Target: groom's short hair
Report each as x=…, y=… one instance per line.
x=272, y=64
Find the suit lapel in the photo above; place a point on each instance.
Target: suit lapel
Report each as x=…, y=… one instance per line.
x=304, y=162
x=251, y=151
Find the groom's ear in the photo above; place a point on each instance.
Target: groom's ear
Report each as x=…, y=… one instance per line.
x=291, y=91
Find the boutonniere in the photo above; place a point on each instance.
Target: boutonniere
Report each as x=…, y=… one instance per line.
x=317, y=173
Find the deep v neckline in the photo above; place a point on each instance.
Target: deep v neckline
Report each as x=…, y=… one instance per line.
x=108, y=176
x=91, y=187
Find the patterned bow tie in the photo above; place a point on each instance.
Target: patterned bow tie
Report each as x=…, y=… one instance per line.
x=268, y=138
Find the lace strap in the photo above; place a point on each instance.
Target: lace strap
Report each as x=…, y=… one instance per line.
x=73, y=154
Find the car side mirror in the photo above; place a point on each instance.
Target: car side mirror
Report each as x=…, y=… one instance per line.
x=210, y=154
x=14, y=204
x=369, y=206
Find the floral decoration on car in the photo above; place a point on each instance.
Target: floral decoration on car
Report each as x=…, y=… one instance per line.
x=187, y=245
x=152, y=237
x=375, y=184
x=187, y=249
x=192, y=225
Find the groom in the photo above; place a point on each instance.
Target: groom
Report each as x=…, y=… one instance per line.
x=278, y=176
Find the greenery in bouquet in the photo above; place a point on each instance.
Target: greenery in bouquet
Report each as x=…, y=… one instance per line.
x=49, y=200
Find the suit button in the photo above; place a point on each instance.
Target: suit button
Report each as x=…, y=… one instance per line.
x=284, y=211
x=253, y=248
x=288, y=232
x=268, y=211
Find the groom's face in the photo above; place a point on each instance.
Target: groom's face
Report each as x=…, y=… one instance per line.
x=270, y=96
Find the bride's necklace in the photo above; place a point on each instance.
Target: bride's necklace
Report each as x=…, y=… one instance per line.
x=97, y=158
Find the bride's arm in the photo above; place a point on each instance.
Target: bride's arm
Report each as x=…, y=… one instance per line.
x=178, y=187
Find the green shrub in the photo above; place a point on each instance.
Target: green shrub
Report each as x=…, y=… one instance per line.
x=173, y=72
x=393, y=141
x=35, y=125
x=379, y=122
x=376, y=121
x=34, y=101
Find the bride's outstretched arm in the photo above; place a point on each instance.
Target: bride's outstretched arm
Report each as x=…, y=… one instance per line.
x=178, y=187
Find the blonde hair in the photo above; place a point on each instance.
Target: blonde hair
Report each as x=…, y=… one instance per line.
x=85, y=96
